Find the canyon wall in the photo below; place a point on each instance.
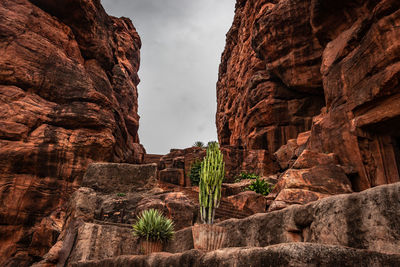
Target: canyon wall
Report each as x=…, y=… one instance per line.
x=329, y=67
x=68, y=97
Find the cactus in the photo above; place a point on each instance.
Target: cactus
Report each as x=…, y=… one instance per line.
x=211, y=176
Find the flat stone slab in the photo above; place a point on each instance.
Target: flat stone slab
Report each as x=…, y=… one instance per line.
x=293, y=254
x=119, y=177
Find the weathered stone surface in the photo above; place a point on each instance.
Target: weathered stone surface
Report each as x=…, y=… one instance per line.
x=175, y=205
x=249, y=201
x=249, y=161
x=360, y=72
x=236, y=161
x=301, y=186
x=286, y=154
x=309, y=159
x=269, y=85
x=120, y=177
x=368, y=220
x=68, y=97
x=285, y=60
x=299, y=254
x=174, y=176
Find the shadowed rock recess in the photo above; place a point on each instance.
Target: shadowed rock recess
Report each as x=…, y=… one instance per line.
x=68, y=97
x=308, y=98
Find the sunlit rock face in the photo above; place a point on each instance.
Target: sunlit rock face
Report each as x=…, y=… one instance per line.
x=68, y=97
x=331, y=67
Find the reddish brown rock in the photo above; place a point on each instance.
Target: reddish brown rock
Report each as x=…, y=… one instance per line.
x=68, y=97
x=249, y=201
x=285, y=60
x=269, y=88
x=301, y=186
x=367, y=220
x=174, y=176
x=182, y=159
x=360, y=71
x=309, y=159
x=295, y=254
x=175, y=205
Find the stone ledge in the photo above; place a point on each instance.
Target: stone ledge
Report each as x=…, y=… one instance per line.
x=292, y=254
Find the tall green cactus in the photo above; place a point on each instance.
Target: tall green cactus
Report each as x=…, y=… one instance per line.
x=211, y=175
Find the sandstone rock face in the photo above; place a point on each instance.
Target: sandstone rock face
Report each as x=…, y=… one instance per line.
x=249, y=200
x=301, y=186
x=329, y=67
x=360, y=73
x=98, y=223
x=368, y=220
x=119, y=177
x=68, y=97
x=268, y=95
x=300, y=254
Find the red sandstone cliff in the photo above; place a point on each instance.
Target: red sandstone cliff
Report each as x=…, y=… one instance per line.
x=332, y=67
x=68, y=97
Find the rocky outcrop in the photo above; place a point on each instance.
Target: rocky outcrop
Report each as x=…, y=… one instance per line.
x=68, y=97
x=99, y=218
x=361, y=228
x=267, y=96
x=300, y=254
x=329, y=67
x=368, y=220
x=360, y=73
x=175, y=166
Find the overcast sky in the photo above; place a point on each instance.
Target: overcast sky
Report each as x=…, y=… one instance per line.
x=182, y=42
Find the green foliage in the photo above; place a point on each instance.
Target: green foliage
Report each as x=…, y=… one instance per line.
x=121, y=194
x=152, y=225
x=198, y=144
x=210, y=143
x=245, y=176
x=195, y=172
x=260, y=186
x=211, y=175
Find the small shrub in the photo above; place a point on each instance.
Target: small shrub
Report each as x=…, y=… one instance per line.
x=121, y=194
x=244, y=176
x=195, y=172
x=152, y=225
x=260, y=186
x=198, y=144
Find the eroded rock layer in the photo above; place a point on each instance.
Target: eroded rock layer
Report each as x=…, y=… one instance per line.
x=329, y=67
x=68, y=97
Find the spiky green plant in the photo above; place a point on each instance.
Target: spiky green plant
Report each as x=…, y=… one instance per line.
x=152, y=225
x=211, y=175
x=198, y=144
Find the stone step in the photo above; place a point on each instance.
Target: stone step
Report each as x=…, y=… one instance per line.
x=289, y=254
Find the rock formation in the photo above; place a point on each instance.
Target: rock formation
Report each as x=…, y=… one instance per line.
x=329, y=67
x=335, y=231
x=68, y=97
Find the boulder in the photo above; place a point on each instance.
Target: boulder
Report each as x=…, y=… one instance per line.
x=249, y=201
x=309, y=159
x=300, y=186
x=120, y=177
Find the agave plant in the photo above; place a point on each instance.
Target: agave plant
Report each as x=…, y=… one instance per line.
x=211, y=176
x=152, y=225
